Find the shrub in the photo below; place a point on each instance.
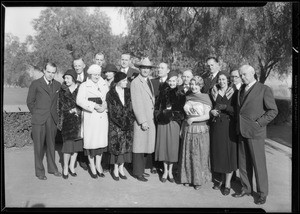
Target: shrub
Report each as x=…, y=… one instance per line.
x=17, y=129
x=284, y=111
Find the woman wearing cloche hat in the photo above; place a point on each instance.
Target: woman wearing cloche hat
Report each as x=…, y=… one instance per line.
x=91, y=97
x=121, y=120
x=69, y=122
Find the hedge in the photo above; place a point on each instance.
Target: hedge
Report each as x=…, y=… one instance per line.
x=17, y=129
x=17, y=125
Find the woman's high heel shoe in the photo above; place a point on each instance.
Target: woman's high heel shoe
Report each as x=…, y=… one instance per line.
x=74, y=174
x=101, y=175
x=65, y=176
x=114, y=177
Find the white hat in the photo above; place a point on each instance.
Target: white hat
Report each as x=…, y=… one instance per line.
x=94, y=69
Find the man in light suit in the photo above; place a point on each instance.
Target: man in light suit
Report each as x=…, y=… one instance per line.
x=42, y=104
x=130, y=72
x=256, y=108
x=143, y=101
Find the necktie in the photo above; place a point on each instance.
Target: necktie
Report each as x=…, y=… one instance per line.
x=50, y=86
x=79, y=78
x=149, y=84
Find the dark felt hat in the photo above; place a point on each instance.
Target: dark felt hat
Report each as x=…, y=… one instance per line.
x=110, y=68
x=172, y=74
x=72, y=73
x=119, y=76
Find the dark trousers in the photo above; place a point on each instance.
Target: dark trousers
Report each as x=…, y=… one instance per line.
x=138, y=163
x=42, y=134
x=252, y=157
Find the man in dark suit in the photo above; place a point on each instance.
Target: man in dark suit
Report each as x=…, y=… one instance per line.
x=42, y=104
x=130, y=72
x=256, y=108
x=81, y=70
x=210, y=81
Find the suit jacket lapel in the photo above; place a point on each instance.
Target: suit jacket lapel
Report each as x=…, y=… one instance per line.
x=146, y=87
x=249, y=93
x=44, y=85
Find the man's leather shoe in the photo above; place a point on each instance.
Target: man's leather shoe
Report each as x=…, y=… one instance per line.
x=42, y=177
x=146, y=174
x=171, y=180
x=153, y=171
x=83, y=165
x=142, y=178
x=226, y=191
x=217, y=186
x=241, y=194
x=163, y=180
x=261, y=200
x=197, y=187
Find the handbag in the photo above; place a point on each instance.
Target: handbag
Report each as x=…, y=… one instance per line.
x=97, y=100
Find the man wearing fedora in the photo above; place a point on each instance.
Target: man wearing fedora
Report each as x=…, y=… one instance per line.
x=42, y=104
x=143, y=101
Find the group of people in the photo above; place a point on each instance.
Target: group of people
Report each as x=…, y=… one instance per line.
x=202, y=129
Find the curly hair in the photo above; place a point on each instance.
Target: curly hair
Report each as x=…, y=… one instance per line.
x=198, y=80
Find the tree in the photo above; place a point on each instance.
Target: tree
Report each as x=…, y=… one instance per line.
x=63, y=33
x=186, y=36
x=15, y=61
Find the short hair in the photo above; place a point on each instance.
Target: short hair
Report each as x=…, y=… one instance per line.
x=78, y=58
x=226, y=74
x=199, y=80
x=214, y=58
x=51, y=64
x=126, y=53
x=188, y=70
x=168, y=66
x=99, y=53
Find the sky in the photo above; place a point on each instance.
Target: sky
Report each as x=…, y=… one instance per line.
x=18, y=20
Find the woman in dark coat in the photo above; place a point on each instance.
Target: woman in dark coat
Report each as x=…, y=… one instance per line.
x=169, y=108
x=223, y=138
x=121, y=120
x=69, y=122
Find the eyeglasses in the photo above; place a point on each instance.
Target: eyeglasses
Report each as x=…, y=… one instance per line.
x=234, y=77
x=96, y=75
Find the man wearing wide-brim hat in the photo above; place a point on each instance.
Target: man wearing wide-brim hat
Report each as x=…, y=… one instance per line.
x=143, y=100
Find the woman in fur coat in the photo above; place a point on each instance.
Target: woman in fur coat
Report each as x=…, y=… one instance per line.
x=69, y=122
x=121, y=119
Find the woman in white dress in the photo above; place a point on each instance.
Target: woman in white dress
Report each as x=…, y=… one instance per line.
x=91, y=97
